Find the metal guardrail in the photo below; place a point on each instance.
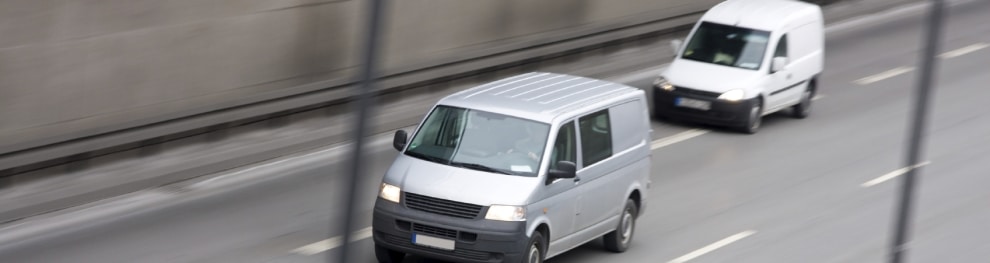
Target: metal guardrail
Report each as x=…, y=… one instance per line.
x=61, y=151
x=31, y=156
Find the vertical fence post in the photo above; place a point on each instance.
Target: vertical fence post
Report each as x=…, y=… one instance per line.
x=922, y=97
x=362, y=108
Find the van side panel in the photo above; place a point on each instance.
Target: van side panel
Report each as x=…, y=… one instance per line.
x=604, y=186
x=613, y=176
x=806, y=49
x=627, y=125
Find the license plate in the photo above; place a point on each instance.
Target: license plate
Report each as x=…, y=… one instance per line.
x=434, y=242
x=693, y=103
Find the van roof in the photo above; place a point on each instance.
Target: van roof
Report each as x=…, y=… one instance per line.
x=766, y=15
x=539, y=96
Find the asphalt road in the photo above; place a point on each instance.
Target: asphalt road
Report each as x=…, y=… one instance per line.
x=798, y=191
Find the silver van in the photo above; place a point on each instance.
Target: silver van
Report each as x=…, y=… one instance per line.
x=518, y=170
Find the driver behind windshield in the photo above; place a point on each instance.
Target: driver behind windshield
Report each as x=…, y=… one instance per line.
x=529, y=144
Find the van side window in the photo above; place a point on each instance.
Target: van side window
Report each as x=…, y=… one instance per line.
x=781, y=47
x=596, y=137
x=565, y=145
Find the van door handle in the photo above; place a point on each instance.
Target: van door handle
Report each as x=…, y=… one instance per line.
x=788, y=75
x=577, y=179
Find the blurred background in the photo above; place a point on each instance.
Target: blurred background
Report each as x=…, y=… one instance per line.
x=219, y=130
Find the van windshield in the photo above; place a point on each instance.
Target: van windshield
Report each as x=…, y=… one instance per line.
x=727, y=45
x=480, y=140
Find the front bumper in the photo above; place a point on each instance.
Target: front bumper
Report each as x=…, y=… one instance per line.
x=476, y=240
x=721, y=112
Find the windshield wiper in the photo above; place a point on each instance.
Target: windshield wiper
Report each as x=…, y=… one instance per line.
x=426, y=157
x=478, y=167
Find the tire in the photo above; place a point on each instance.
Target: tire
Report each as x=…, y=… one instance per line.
x=803, y=108
x=385, y=255
x=536, y=252
x=754, y=118
x=618, y=240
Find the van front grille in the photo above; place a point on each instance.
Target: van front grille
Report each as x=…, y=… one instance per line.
x=701, y=93
x=442, y=206
x=434, y=231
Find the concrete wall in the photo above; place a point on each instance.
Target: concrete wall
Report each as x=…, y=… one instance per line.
x=82, y=66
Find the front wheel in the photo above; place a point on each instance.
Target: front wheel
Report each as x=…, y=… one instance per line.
x=618, y=240
x=536, y=251
x=753, y=118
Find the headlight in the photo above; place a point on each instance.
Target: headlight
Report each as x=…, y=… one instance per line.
x=506, y=213
x=732, y=95
x=390, y=192
x=663, y=84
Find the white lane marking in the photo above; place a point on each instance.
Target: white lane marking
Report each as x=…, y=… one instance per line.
x=893, y=174
x=964, y=50
x=712, y=247
x=884, y=75
x=49, y=227
x=666, y=141
x=818, y=97
x=331, y=243
x=254, y=173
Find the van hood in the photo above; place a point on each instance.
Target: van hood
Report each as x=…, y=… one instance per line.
x=459, y=184
x=710, y=77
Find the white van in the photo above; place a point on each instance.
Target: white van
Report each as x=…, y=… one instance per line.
x=745, y=59
x=518, y=170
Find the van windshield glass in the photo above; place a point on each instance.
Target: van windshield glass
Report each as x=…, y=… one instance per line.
x=480, y=140
x=727, y=45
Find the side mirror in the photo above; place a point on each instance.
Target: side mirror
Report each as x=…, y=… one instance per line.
x=778, y=64
x=676, y=45
x=399, y=140
x=565, y=170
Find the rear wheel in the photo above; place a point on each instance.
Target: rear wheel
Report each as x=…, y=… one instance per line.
x=803, y=108
x=618, y=240
x=385, y=255
x=536, y=251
